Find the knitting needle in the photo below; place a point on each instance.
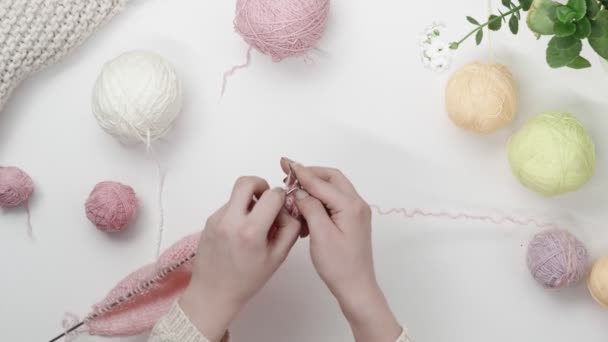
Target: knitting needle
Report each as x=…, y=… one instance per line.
x=68, y=331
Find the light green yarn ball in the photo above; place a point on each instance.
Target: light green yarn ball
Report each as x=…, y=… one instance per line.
x=552, y=154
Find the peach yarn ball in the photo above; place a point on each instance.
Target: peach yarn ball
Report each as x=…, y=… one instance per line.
x=598, y=282
x=481, y=97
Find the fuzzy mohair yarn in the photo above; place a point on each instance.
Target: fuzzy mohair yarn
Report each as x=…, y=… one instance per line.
x=552, y=154
x=16, y=187
x=598, y=281
x=137, y=97
x=281, y=28
x=557, y=259
x=111, y=206
x=481, y=97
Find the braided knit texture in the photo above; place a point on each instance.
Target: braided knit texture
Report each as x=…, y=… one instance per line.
x=37, y=33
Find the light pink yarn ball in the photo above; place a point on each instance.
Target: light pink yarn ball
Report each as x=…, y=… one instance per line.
x=111, y=206
x=281, y=28
x=16, y=187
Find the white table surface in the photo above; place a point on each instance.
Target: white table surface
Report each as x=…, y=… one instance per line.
x=367, y=106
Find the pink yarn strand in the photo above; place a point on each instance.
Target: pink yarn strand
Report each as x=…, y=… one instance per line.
x=413, y=213
x=231, y=72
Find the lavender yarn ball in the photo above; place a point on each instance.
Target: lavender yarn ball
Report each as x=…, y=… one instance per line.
x=111, y=206
x=557, y=259
x=281, y=28
x=16, y=187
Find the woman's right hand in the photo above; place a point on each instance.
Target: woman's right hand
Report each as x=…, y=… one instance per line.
x=339, y=221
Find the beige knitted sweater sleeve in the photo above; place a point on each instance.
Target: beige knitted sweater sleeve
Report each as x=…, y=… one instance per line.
x=177, y=327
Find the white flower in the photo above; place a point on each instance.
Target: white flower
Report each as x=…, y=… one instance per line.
x=434, y=29
x=436, y=54
x=441, y=63
x=436, y=49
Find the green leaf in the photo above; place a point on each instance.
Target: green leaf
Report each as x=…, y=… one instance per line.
x=502, y=15
x=473, y=21
x=564, y=30
x=506, y=3
x=565, y=14
x=562, y=51
x=479, y=37
x=579, y=63
x=592, y=8
x=583, y=29
x=494, y=23
x=542, y=17
x=579, y=7
x=454, y=46
x=514, y=24
x=598, y=39
x=526, y=4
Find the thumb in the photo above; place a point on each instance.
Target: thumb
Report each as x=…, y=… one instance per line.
x=315, y=214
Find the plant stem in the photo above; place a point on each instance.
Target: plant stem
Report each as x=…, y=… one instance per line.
x=515, y=9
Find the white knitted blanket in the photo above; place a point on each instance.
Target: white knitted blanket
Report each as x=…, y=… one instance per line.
x=37, y=33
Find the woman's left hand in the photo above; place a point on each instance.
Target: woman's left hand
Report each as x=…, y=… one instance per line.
x=242, y=246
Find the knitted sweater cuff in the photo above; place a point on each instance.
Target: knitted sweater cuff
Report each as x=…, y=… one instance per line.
x=175, y=326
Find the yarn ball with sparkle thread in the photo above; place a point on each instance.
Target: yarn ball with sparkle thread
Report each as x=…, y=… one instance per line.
x=111, y=206
x=137, y=97
x=598, y=281
x=557, y=259
x=281, y=28
x=16, y=187
x=481, y=97
x=552, y=154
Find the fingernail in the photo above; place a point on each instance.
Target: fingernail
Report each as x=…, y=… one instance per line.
x=301, y=194
x=287, y=159
x=278, y=189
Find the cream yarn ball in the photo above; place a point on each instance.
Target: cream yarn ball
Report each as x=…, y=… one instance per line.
x=481, y=97
x=137, y=97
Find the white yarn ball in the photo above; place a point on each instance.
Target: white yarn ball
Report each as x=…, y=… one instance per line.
x=137, y=97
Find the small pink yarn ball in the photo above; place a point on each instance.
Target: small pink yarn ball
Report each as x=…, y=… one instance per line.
x=557, y=259
x=281, y=28
x=16, y=187
x=111, y=206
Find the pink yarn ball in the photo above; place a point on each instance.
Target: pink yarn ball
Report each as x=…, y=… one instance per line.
x=16, y=187
x=111, y=206
x=281, y=28
x=557, y=259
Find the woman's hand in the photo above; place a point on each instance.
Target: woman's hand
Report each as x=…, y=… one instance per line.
x=243, y=244
x=339, y=221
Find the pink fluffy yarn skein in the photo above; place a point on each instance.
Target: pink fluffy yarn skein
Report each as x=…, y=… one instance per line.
x=557, y=259
x=111, y=206
x=16, y=187
x=281, y=28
